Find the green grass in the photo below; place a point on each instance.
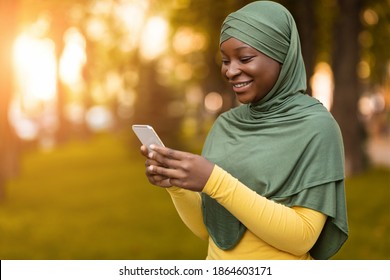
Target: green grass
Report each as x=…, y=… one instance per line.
x=368, y=198
x=91, y=200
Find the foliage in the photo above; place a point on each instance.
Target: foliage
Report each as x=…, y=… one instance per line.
x=375, y=39
x=90, y=200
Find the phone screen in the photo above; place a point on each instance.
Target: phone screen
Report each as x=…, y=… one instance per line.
x=147, y=135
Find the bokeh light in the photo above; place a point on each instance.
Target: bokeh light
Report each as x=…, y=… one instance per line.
x=36, y=67
x=370, y=17
x=73, y=59
x=322, y=84
x=154, y=39
x=213, y=102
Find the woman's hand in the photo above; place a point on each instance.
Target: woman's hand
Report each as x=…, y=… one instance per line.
x=167, y=167
x=154, y=179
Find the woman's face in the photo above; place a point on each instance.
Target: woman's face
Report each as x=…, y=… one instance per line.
x=251, y=73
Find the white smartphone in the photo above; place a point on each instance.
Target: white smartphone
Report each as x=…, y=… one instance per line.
x=147, y=135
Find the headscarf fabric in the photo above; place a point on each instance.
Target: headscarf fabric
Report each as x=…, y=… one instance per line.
x=287, y=146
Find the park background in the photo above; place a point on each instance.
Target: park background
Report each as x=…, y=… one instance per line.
x=75, y=75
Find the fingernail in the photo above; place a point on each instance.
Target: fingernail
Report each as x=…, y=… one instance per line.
x=152, y=146
x=150, y=155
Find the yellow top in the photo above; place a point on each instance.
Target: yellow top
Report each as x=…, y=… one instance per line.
x=274, y=231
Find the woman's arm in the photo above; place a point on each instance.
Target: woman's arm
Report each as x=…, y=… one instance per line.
x=187, y=203
x=294, y=230
x=188, y=206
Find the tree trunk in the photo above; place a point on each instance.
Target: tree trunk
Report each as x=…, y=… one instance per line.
x=9, y=154
x=152, y=105
x=306, y=24
x=304, y=15
x=347, y=87
x=58, y=27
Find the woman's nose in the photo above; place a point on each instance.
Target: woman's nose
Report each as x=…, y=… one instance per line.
x=232, y=70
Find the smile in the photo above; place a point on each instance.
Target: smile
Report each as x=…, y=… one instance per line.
x=240, y=85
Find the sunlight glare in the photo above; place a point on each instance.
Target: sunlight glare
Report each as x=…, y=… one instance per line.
x=99, y=118
x=154, y=38
x=96, y=29
x=24, y=127
x=75, y=112
x=35, y=66
x=73, y=58
x=322, y=84
x=131, y=17
x=186, y=41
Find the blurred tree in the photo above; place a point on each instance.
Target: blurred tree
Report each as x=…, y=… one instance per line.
x=59, y=24
x=375, y=39
x=211, y=26
x=155, y=97
x=60, y=13
x=345, y=59
x=320, y=27
x=206, y=17
x=9, y=152
x=304, y=13
x=153, y=102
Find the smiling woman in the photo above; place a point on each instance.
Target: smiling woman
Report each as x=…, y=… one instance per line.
x=261, y=188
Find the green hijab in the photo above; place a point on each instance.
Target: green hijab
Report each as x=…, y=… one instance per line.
x=287, y=146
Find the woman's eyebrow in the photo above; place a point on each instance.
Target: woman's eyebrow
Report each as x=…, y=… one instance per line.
x=238, y=48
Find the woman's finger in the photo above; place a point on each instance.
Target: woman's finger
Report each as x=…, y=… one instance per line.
x=160, y=181
x=149, y=162
x=168, y=152
x=163, y=171
x=168, y=157
x=144, y=150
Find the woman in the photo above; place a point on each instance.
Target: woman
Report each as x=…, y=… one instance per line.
x=270, y=181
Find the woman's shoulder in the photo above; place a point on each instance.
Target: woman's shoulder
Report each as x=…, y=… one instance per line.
x=316, y=111
x=321, y=121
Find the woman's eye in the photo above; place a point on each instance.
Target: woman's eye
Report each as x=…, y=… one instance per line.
x=246, y=59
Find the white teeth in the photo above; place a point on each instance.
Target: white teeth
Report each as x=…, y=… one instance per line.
x=240, y=85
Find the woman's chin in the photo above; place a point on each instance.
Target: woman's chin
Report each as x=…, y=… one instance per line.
x=243, y=99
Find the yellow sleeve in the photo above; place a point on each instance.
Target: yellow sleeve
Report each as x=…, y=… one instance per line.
x=294, y=230
x=188, y=206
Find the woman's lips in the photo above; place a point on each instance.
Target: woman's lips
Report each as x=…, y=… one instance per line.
x=241, y=87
